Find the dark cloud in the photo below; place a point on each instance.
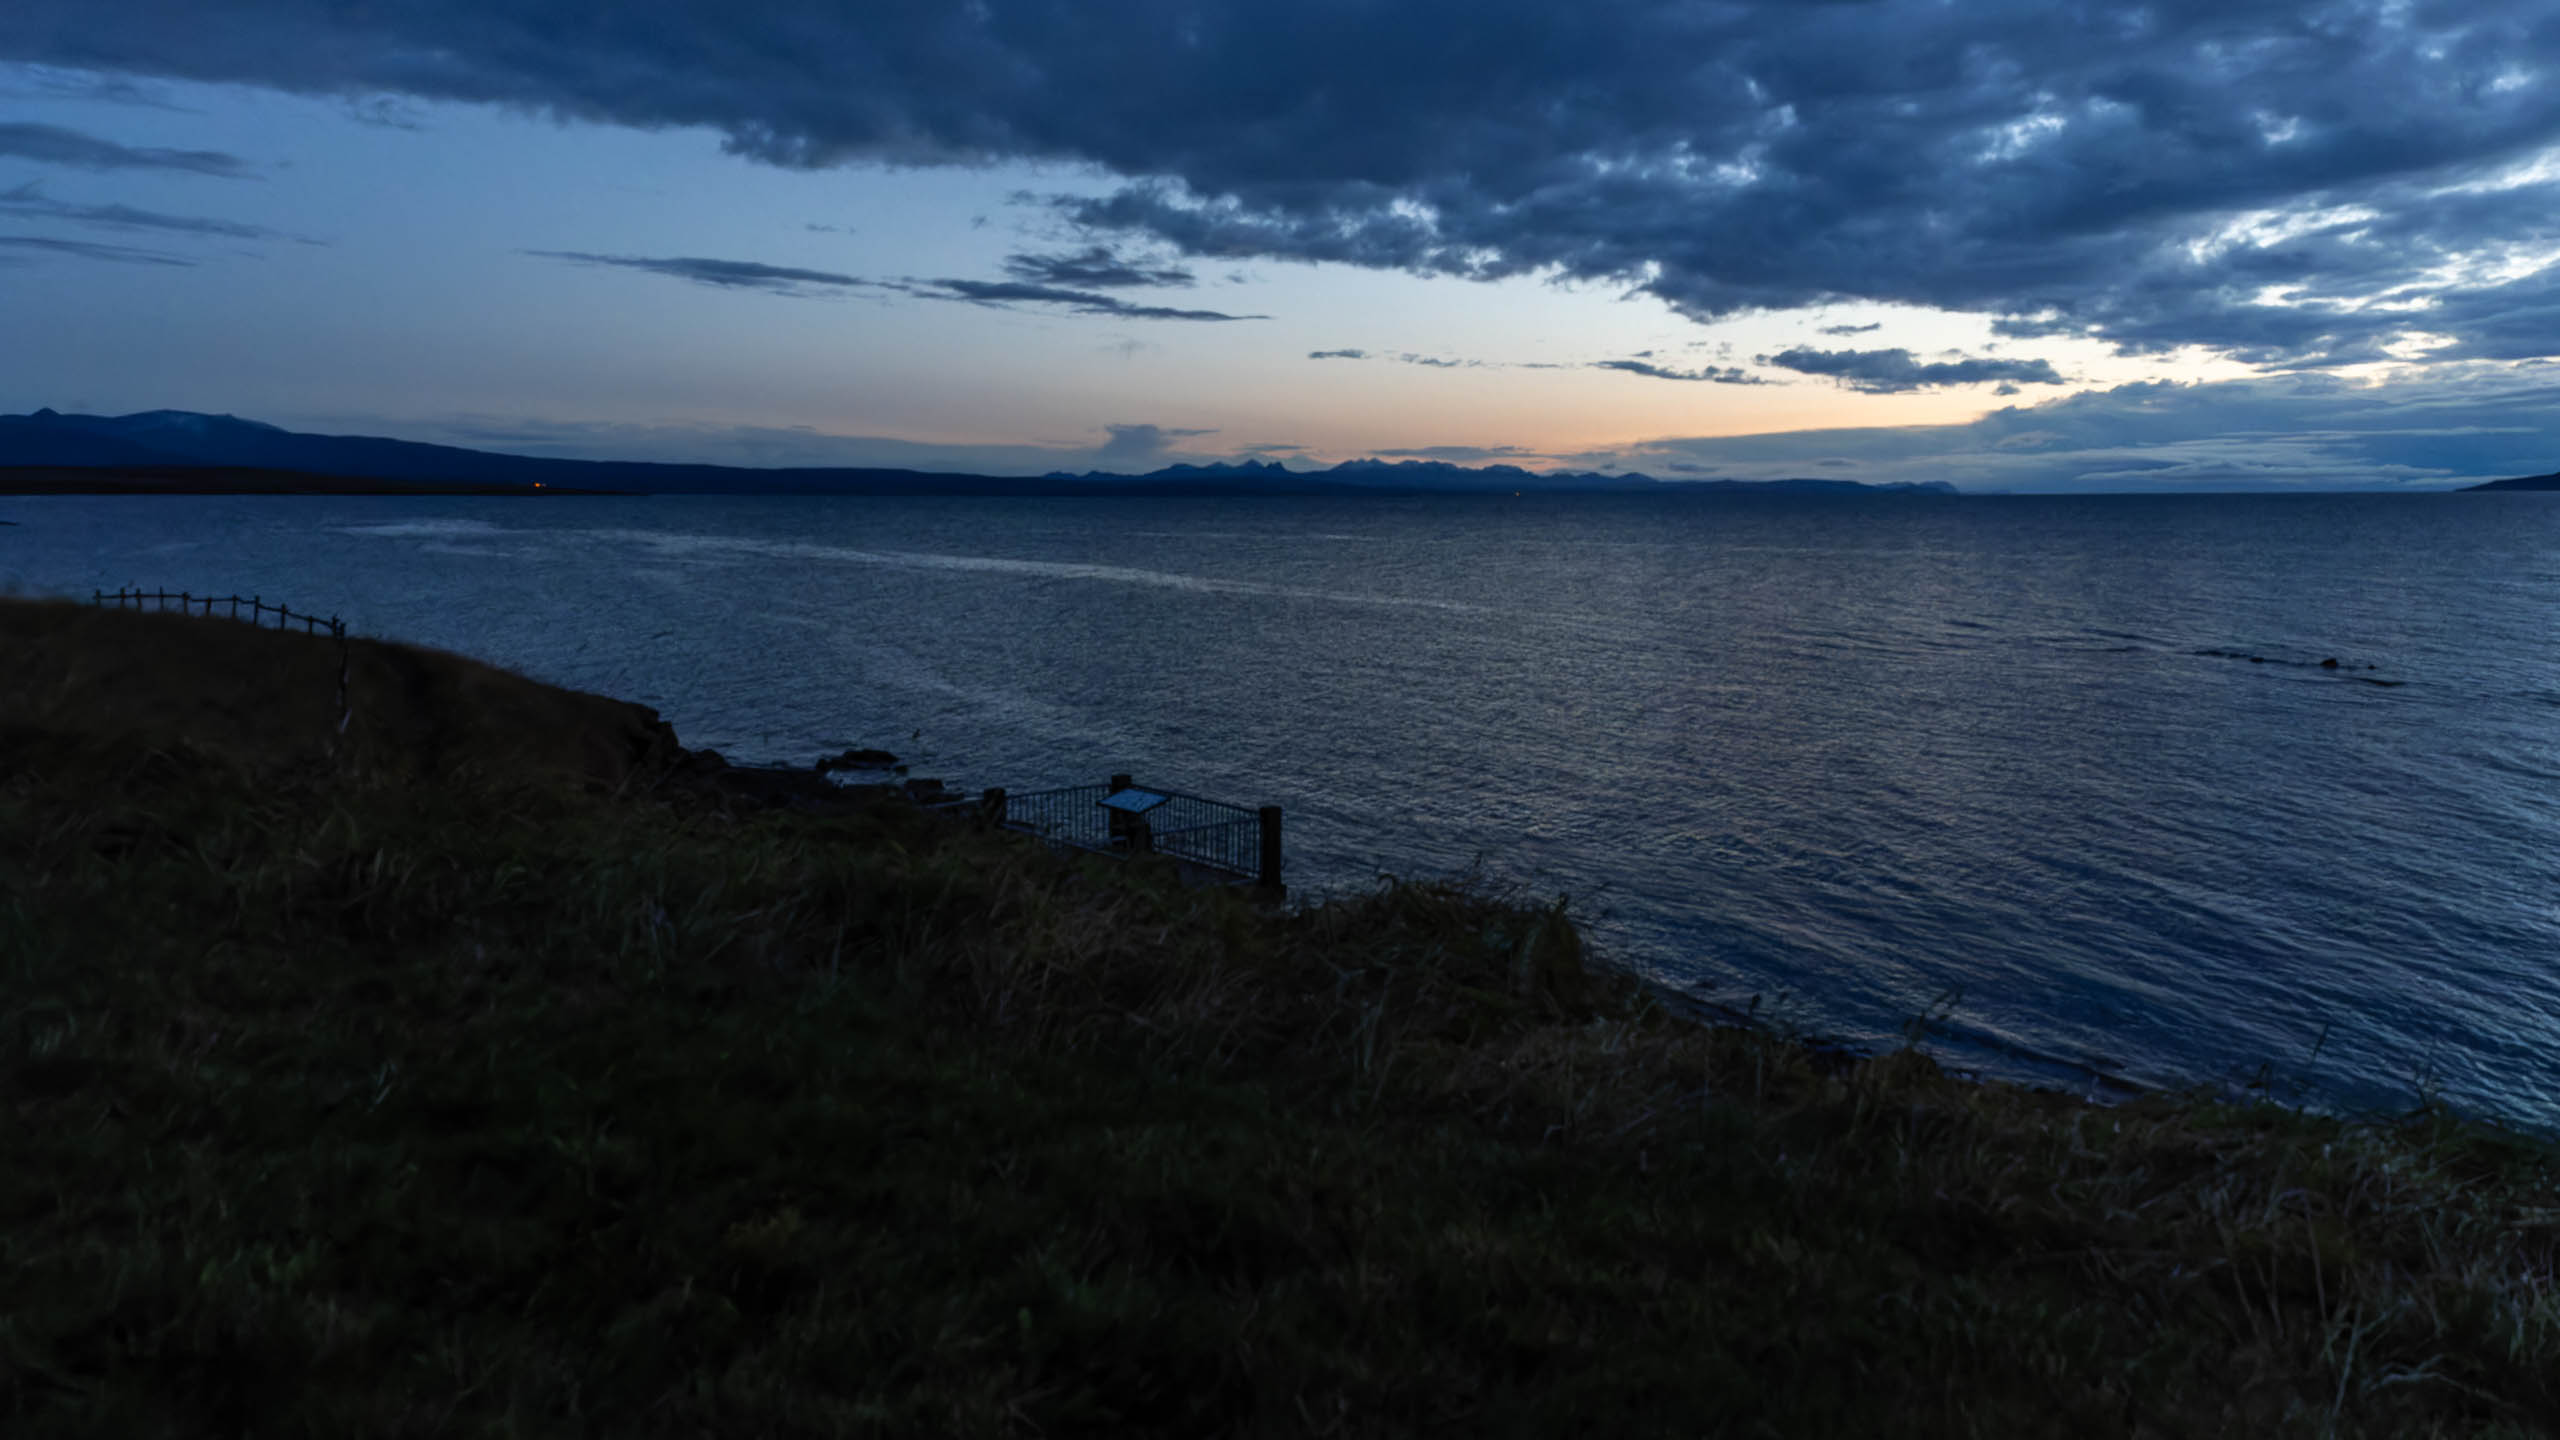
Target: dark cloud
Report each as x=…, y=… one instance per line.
x=46, y=82
x=1712, y=374
x=89, y=250
x=54, y=145
x=1868, y=328
x=2243, y=174
x=1889, y=372
x=30, y=202
x=384, y=112
x=792, y=280
x=1141, y=444
x=1427, y=362
x=724, y=274
x=1081, y=302
x=1098, y=266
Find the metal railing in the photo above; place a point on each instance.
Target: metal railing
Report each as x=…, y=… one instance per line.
x=1233, y=845
x=1072, y=815
x=1212, y=834
x=227, y=606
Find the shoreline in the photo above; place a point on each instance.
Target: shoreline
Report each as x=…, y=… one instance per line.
x=810, y=789
x=490, y=1035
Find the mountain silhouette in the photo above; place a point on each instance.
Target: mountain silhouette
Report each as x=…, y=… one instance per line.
x=159, y=440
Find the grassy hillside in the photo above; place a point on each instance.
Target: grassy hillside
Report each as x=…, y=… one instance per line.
x=272, y=701
x=481, y=1070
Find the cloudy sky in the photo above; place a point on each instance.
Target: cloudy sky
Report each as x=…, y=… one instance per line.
x=2015, y=244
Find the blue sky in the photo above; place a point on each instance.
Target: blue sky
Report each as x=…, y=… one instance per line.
x=2014, y=246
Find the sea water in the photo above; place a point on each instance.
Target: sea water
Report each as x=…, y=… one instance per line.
x=2069, y=778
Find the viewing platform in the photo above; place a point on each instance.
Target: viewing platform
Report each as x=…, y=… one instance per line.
x=1210, y=839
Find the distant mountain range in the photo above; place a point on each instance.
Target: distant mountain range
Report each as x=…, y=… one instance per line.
x=183, y=450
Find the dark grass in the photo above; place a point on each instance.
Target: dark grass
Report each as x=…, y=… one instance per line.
x=333, y=1102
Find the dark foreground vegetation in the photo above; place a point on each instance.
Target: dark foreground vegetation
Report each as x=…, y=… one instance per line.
x=483, y=1069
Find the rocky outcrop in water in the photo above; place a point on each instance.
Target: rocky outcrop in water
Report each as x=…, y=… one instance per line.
x=856, y=759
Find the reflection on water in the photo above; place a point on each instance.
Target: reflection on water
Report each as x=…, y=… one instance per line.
x=2076, y=758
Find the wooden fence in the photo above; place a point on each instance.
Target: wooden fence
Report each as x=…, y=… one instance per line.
x=186, y=602
x=230, y=607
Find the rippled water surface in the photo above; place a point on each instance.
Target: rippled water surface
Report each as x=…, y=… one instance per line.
x=2069, y=769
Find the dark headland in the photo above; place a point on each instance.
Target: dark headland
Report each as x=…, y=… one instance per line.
x=473, y=1059
x=2527, y=482
x=179, y=451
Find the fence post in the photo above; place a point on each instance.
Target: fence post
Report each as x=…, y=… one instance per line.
x=1118, y=823
x=1269, y=879
x=991, y=807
